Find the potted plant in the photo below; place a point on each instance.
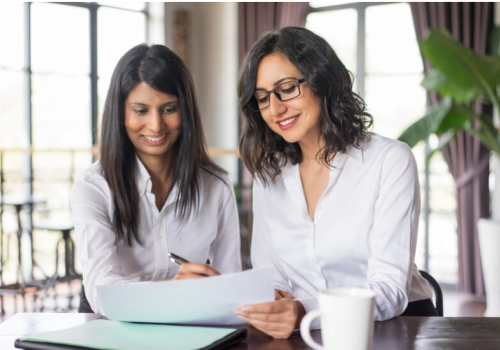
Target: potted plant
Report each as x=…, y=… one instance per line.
x=461, y=77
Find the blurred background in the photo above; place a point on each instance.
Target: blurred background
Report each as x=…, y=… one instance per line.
x=56, y=60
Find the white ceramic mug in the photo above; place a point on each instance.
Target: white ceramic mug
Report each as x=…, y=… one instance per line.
x=346, y=319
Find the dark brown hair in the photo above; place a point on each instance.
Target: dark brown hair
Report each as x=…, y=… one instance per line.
x=163, y=70
x=344, y=121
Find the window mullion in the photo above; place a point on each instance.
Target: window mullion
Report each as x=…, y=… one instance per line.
x=427, y=206
x=93, y=73
x=361, y=49
x=28, y=114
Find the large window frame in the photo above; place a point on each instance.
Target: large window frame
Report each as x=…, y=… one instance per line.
x=93, y=8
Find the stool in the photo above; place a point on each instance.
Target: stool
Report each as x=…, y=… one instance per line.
x=69, y=256
x=21, y=285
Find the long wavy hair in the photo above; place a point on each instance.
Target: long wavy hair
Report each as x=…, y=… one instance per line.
x=344, y=119
x=163, y=70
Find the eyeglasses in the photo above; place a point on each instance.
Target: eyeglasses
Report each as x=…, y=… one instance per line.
x=284, y=92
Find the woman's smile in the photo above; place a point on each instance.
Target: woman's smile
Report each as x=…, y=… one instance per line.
x=288, y=123
x=154, y=140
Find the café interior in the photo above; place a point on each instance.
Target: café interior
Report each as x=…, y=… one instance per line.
x=56, y=61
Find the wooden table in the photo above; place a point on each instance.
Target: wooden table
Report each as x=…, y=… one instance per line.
x=400, y=333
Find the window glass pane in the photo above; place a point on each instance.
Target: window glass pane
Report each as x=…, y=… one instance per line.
x=15, y=176
x=12, y=35
x=138, y=6
x=81, y=162
x=60, y=39
x=418, y=153
x=391, y=45
x=339, y=28
x=443, y=251
x=12, y=106
x=61, y=112
x=53, y=179
x=111, y=47
x=102, y=88
x=128, y=30
x=395, y=102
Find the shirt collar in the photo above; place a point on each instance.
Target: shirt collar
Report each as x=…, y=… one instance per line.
x=143, y=178
x=354, y=152
x=144, y=183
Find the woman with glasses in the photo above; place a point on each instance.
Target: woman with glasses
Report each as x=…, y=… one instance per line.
x=154, y=189
x=333, y=205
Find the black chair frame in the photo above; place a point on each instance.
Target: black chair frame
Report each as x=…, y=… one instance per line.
x=438, y=293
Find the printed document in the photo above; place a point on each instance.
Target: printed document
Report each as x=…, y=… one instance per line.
x=201, y=301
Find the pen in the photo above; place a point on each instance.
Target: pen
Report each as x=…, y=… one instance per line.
x=177, y=259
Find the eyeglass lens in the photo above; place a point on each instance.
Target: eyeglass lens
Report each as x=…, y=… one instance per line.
x=285, y=92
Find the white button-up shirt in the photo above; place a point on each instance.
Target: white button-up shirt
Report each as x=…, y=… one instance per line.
x=210, y=233
x=363, y=234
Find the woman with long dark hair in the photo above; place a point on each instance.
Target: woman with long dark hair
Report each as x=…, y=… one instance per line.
x=154, y=189
x=334, y=205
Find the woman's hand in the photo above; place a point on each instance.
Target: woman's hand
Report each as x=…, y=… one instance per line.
x=278, y=318
x=193, y=270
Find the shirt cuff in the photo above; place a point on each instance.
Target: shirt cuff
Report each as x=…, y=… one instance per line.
x=311, y=304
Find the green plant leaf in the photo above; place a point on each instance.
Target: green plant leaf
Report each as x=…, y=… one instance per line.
x=494, y=41
x=437, y=81
x=456, y=119
x=427, y=125
x=488, y=134
x=460, y=65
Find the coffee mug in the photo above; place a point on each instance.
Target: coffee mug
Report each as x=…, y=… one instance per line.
x=346, y=319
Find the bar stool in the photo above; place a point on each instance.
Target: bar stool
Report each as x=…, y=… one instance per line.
x=19, y=288
x=69, y=256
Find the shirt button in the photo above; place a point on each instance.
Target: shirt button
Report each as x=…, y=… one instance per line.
x=159, y=237
x=317, y=272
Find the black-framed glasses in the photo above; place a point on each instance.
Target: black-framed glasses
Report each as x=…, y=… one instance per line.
x=284, y=92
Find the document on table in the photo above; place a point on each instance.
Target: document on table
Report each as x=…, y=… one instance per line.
x=104, y=334
x=201, y=301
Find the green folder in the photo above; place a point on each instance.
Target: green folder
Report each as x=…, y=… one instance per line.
x=113, y=335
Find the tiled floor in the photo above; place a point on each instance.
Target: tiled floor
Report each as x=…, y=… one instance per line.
x=54, y=300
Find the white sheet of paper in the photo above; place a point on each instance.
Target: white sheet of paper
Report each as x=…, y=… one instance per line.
x=201, y=301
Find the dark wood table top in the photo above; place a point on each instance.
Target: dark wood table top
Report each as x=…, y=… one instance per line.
x=400, y=333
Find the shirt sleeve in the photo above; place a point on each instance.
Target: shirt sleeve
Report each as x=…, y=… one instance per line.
x=225, y=251
x=96, y=240
x=395, y=228
x=263, y=252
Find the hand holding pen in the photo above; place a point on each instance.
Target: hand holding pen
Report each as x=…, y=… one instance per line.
x=189, y=270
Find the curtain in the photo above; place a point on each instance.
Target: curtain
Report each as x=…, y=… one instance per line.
x=467, y=158
x=254, y=19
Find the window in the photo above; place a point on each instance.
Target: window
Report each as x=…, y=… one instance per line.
x=56, y=61
x=384, y=58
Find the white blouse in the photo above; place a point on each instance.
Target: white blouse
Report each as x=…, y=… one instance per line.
x=211, y=233
x=363, y=234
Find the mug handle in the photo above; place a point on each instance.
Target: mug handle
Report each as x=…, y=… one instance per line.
x=305, y=330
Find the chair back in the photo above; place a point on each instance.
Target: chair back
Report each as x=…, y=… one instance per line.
x=438, y=293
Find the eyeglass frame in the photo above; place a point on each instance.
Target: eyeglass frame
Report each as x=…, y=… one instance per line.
x=278, y=96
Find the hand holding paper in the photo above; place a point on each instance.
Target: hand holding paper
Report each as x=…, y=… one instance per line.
x=192, y=270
